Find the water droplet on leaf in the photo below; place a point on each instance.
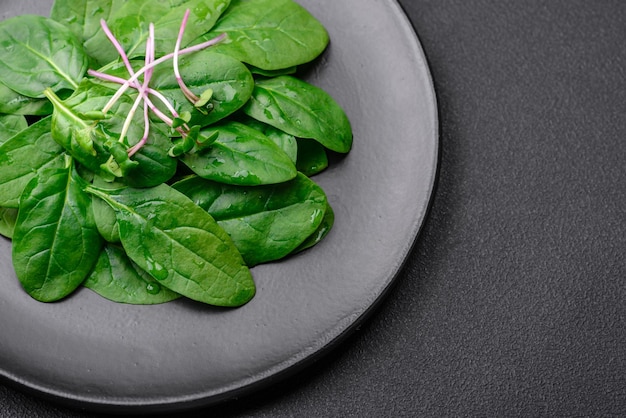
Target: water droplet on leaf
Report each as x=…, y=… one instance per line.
x=156, y=270
x=153, y=288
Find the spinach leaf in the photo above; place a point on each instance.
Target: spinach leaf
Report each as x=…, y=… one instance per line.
x=320, y=233
x=11, y=125
x=265, y=222
x=83, y=17
x=81, y=137
x=22, y=156
x=117, y=278
x=240, y=155
x=283, y=140
x=272, y=73
x=11, y=102
x=302, y=110
x=154, y=166
x=37, y=53
x=55, y=241
x=312, y=158
x=269, y=34
x=180, y=245
x=106, y=221
x=230, y=80
x=130, y=20
x=74, y=133
x=8, y=217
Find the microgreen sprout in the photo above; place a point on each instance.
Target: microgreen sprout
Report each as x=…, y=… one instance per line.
x=143, y=93
x=204, y=98
x=175, y=121
x=186, y=91
x=127, y=84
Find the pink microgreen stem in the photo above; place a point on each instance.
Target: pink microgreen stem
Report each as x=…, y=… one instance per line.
x=155, y=93
x=143, y=88
x=166, y=119
x=129, y=117
x=117, y=45
x=150, y=54
x=181, y=83
x=146, y=118
x=156, y=62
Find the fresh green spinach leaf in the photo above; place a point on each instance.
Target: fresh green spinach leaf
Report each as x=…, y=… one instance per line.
x=106, y=221
x=154, y=166
x=81, y=137
x=312, y=157
x=117, y=278
x=265, y=222
x=8, y=217
x=37, y=53
x=22, y=156
x=302, y=110
x=180, y=245
x=240, y=155
x=288, y=143
x=86, y=139
x=55, y=241
x=11, y=125
x=320, y=233
x=129, y=23
x=272, y=73
x=83, y=17
x=11, y=102
x=269, y=34
x=230, y=81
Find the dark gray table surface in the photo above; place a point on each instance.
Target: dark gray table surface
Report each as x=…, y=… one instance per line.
x=513, y=300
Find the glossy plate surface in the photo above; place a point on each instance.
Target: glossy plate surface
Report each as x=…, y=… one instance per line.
x=111, y=357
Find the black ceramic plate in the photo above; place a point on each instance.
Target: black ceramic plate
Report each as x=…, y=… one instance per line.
x=111, y=357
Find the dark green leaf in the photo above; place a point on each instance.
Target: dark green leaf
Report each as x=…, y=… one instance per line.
x=265, y=222
x=320, y=233
x=11, y=102
x=155, y=166
x=83, y=17
x=37, y=53
x=55, y=242
x=11, y=125
x=7, y=221
x=22, y=156
x=269, y=34
x=180, y=245
x=240, y=155
x=312, y=158
x=129, y=22
x=106, y=221
x=117, y=278
x=230, y=80
x=272, y=73
x=283, y=140
x=302, y=110
x=82, y=138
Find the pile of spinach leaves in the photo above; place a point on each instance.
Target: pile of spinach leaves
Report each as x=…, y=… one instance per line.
x=182, y=198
